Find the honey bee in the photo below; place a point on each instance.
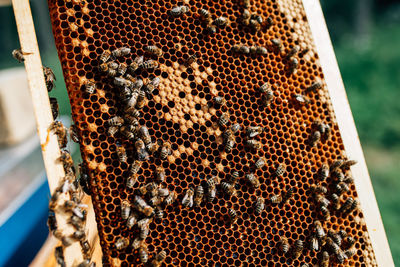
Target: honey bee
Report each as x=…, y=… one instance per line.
x=221, y=22
x=121, y=243
x=121, y=152
x=253, y=180
x=149, y=188
x=314, y=87
x=126, y=131
x=59, y=255
x=49, y=78
x=52, y=221
x=141, y=150
x=350, y=241
x=337, y=175
x=314, y=244
x=105, y=56
x=191, y=59
x=135, y=64
x=152, y=85
x=163, y=192
x=292, y=52
x=260, y=163
x=205, y=15
x=335, y=249
x=170, y=198
x=348, y=163
x=280, y=170
x=342, y=233
x=277, y=44
x=165, y=150
x=234, y=177
x=211, y=192
x=301, y=100
x=159, y=259
x=143, y=225
x=259, y=205
x=267, y=98
x=67, y=241
x=155, y=201
x=142, y=206
x=315, y=138
x=131, y=181
x=293, y=65
x=235, y=128
x=246, y=3
x=109, y=68
x=76, y=222
x=319, y=230
x=121, y=70
x=353, y=206
x=84, y=179
x=178, y=11
x=211, y=29
x=228, y=188
x=349, y=253
x=288, y=195
x=320, y=199
x=335, y=237
x=115, y=121
x=232, y=216
x=121, y=52
x=323, y=172
x=199, y=194
x=125, y=209
x=324, y=259
x=254, y=24
x=187, y=200
x=152, y=147
x=135, y=167
x=260, y=50
x=159, y=213
x=59, y=129
x=325, y=213
x=66, y=160
x=318, y=189
x=160, y=174
x=336, y=164
x=264, y=88
x=341, y=188
x=220, y=101
x=131, y=220
x=276, y=199
x=143, y=253
x=149, y=64
x=122, y=82
x=284, y=245
x=297, y=248
x=54, y=107
x=229, y=143
x=253, y=144
x=18, y=54
x=240, y=48
x=253, y=131
x=152, y=49
x=79, y=235
x=144, y=134
x=348, y=179
x=86, y=263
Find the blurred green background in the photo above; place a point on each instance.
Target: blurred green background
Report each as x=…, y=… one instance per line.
x=366, y=39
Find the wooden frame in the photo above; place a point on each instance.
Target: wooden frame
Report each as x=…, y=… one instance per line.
x=348, y=132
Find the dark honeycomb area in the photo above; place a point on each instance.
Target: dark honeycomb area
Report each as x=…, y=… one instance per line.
x=181, y=112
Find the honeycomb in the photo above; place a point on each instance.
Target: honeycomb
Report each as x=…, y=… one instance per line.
x=181, y=111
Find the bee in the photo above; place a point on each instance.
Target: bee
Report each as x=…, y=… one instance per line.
x=79, y=235
x=235, y=128
x=149, y=64
x=121, y=152
x=155, y=201
x=319, y=230
x=254, y=131
x=341, y=188
x=277, y=44
x=228, y=188
x=318, y=189
x=163, y=192
x=199, y=194
x=125, y=210
x=76, y=222
x=143, y=225
x=59, y=129
x=325, y=213
x=268, y=23
x=121, y=243
x=257, y=18
x=152, y=147
x=205, y=15
x=348, y=163
x=18, y=54
x=276, y=199
x=220, y=100
x=253, y=180
x=59, y=255
x=315, y=138
x=73, y=133
x=152, y=49
x=284, y=245
x=122, y=82
x=350, y=241
x=109, y=68
x=121, y=52
x=149, y=188
x=49, y=78
x=342, y=233
x=121, y=70
x=314, y=87
x=288, y=195
x=143, y=253
x=229, y=143
x=159, y=258
x=254, y=24
x=336, y=164
x=337, y=175
x=335, y=237
x=325, y=259
x=234, y=177
x=67, y=241
x=349, y=253
x=298, y=248
x=221, y=22
x=135, y=64
x=135, y=167
x=348, y=179
x=160, y=174
x=165, y=150
x=246, y=3
x=178, y=11
x=293, y=65
x=240, y=48
x=105, y=56
x=320, y=199
x=264, y=88
x=323, y=172
x=292, y=52
x=280, y=170
x=54, y=107
x=211, y=29
x=314, y=244
x=141, y=150
x=159, y=213
x=115, y=121
x=171, y=198
x=52, y=221
x=86, y=263
x=191, y=59
x=335, y=249
x=152, y=85
x=301, y=100
x=353, y=206
x=259, y=50
x=66, y=160
x=131, y=220
x=253, y=144
x=232, y=216
x=211, y=192
x=259, y=205
x=142, y=206
x=260, y=163
x=267, y=98
x=126, y=131
x=187, y=200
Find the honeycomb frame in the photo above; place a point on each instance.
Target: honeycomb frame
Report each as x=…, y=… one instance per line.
x=180, y=112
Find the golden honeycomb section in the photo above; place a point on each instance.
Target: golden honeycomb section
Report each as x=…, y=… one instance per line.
x=181, y=112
